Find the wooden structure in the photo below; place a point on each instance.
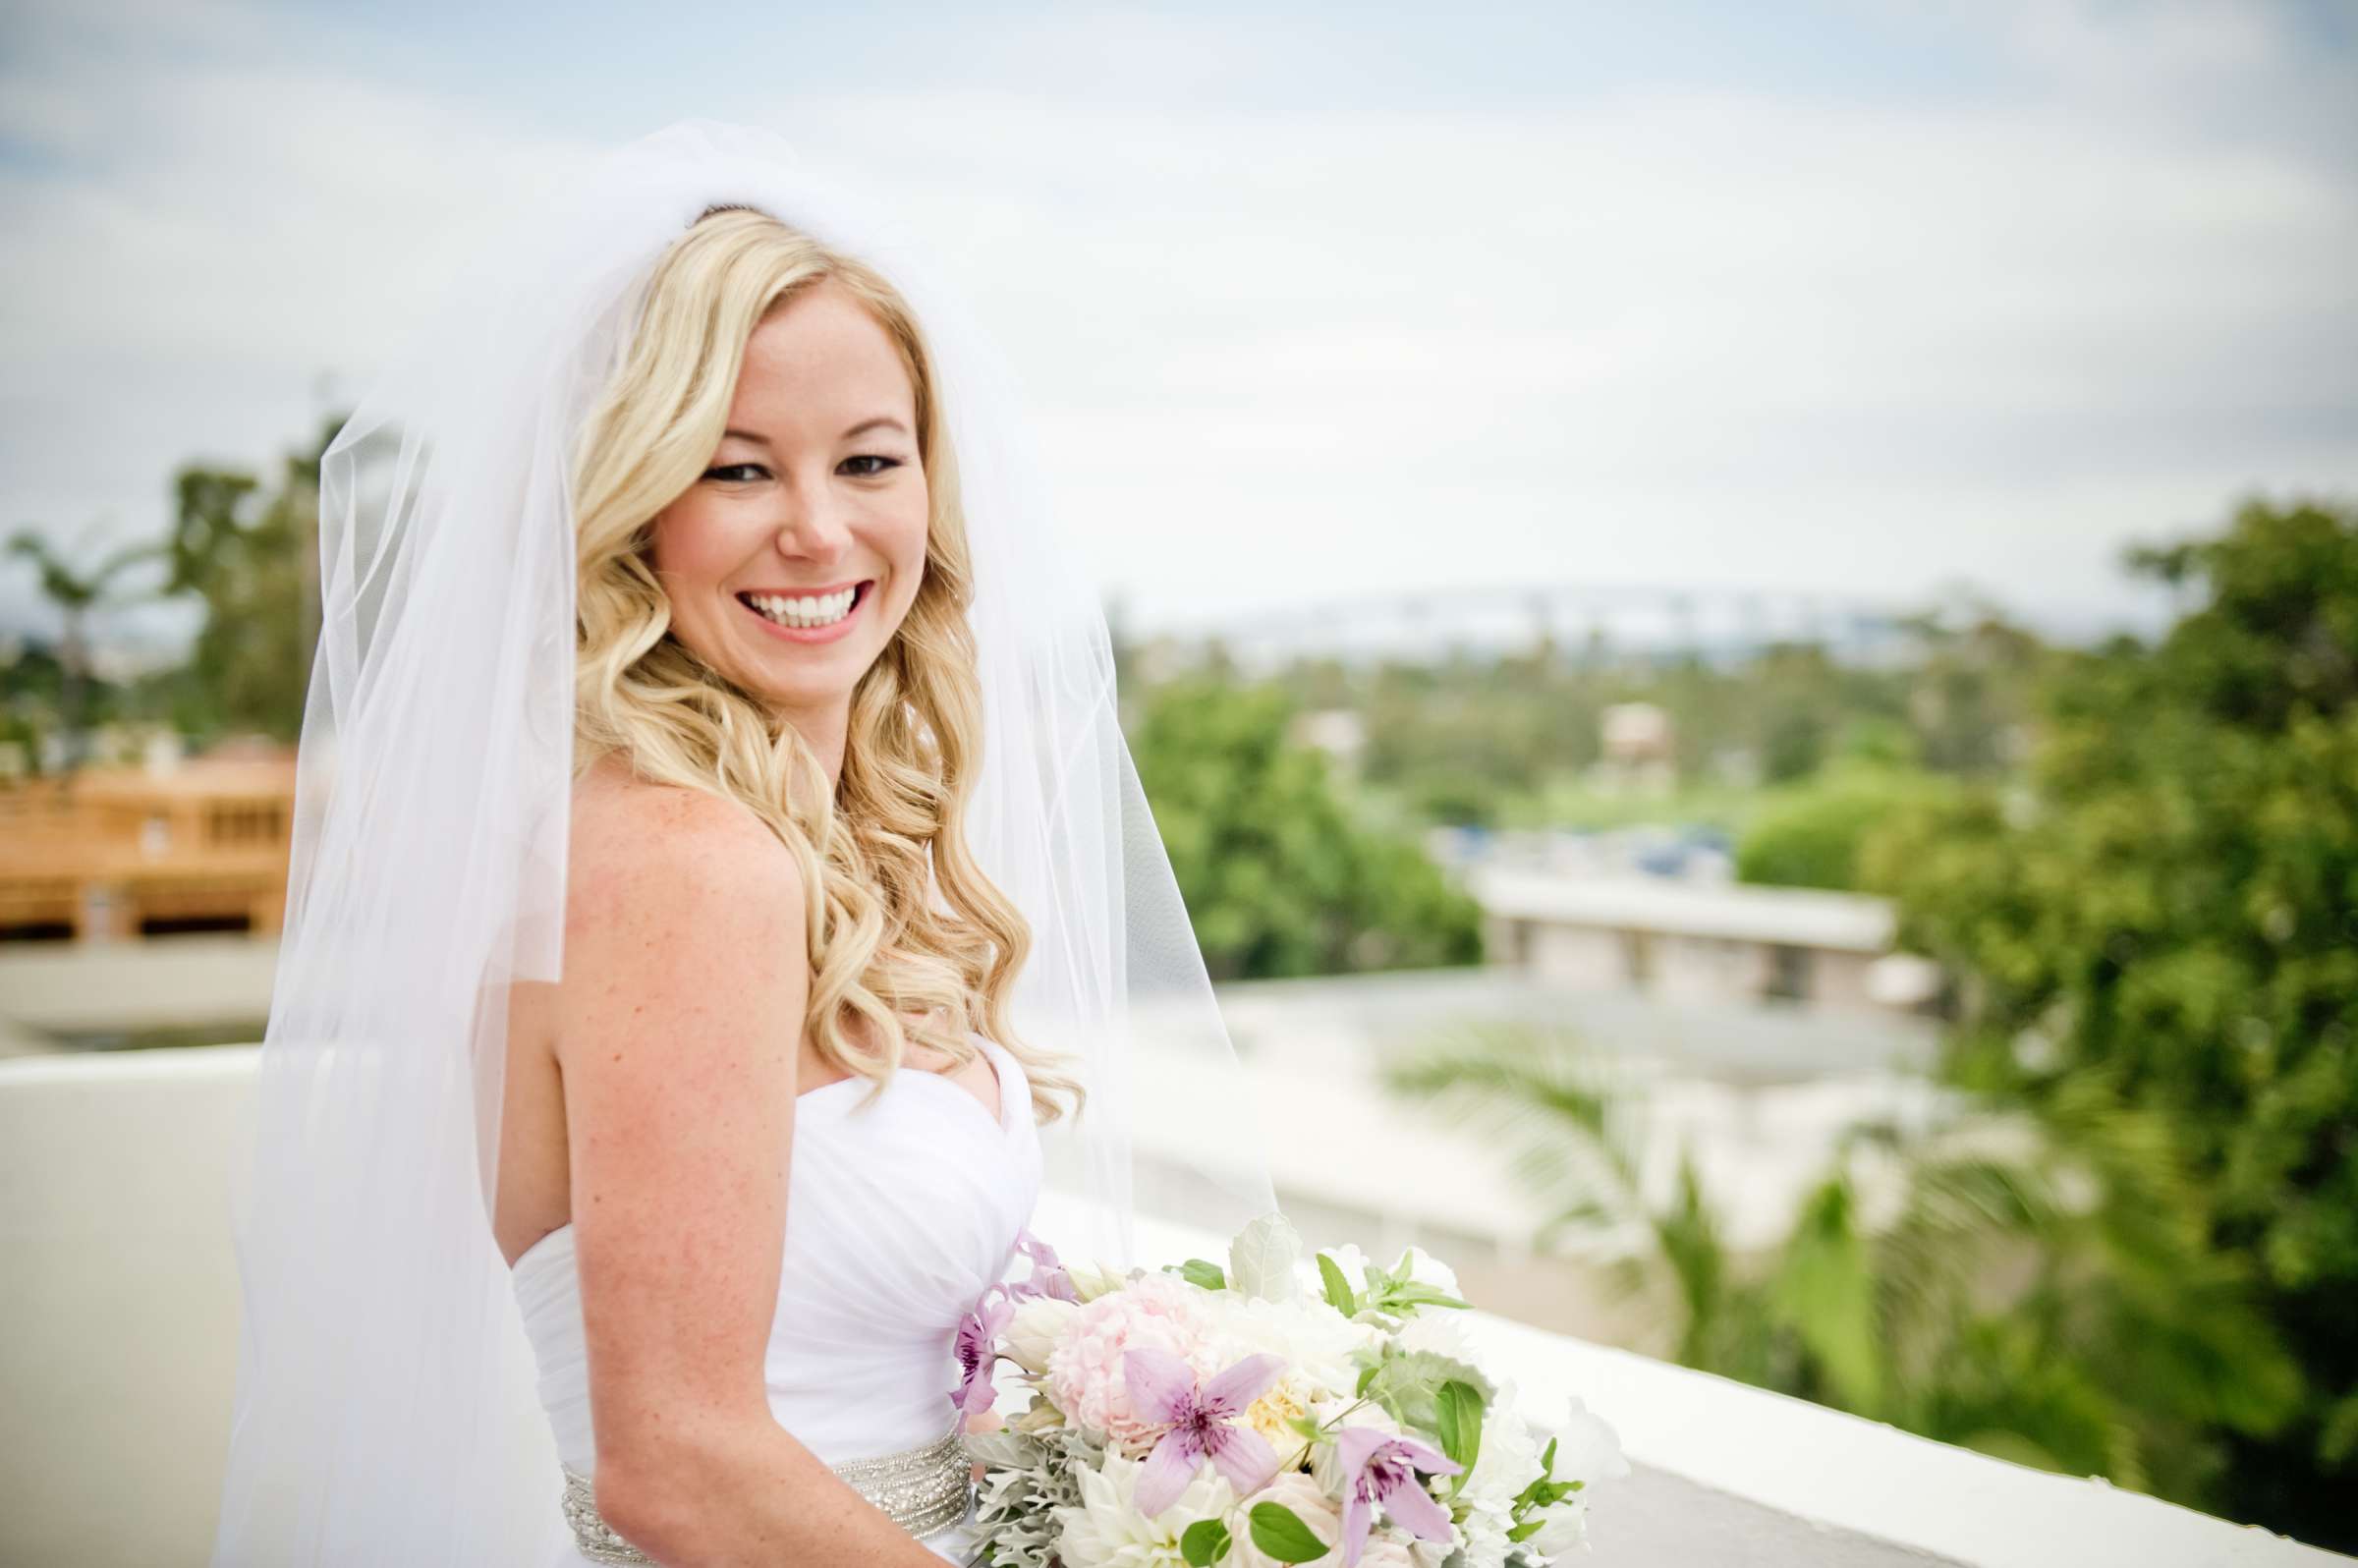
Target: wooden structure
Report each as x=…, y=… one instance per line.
x=110, y=854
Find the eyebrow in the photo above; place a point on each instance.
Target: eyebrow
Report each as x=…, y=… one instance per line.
x=882, y=422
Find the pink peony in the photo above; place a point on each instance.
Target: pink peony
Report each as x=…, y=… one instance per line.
x=1087, y=1377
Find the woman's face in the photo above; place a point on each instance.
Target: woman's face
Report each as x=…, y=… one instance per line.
x=792, y=561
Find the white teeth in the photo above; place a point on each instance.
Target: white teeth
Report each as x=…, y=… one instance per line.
x=825, y=610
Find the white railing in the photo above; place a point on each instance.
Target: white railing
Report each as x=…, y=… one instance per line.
x=117, y=1323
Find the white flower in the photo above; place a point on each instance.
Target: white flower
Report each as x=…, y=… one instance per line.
x=1107, y=1531
x=1485, y=1506
x=1422, y=1268
x=1586, y=1448
x=1441, y=1333
x=1314, y=1340
x=1426, y=1270
x=1384, y=1549
x=1509, y=1458
x=1565, y=1532
x=1508, y=1462
x=1034, y=1331
x=1350, y=1259
x=1309, y=1501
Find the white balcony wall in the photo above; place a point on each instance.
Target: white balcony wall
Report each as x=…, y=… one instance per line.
x=118, y=1328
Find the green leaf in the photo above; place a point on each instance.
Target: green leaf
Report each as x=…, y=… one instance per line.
x=1263, y=1256
x=1205, y=1542
x=1542, y=1489
x=1338, y=1289
x=1280, y=1533
x=1414, y=1293
x=1196, y=1271
x=1458, y=1423
x=1408, y=1385
x=1824, y=1292
x=1526, y=1529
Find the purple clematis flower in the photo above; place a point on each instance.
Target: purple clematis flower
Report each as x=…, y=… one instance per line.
x=1049, y=1276
x=977, y=1351
x=1162, y=1388
x=1380, y=1470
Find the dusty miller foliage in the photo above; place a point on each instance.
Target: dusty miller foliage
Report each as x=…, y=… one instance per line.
x=1024, y=1480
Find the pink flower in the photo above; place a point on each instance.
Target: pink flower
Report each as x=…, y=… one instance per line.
x=1087, y=1377
x=1380, y=1470
x=1200, y=1422
x=1049, y=1276
x=978, y=1348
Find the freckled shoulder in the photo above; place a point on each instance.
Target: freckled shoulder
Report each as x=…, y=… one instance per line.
x=659, y=849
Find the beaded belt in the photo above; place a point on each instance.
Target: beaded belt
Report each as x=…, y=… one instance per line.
x=923, y=1490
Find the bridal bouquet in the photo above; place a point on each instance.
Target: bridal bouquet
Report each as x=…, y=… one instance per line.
x=1275, y=1411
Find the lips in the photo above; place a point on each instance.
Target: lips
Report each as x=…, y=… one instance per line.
x=824, y=633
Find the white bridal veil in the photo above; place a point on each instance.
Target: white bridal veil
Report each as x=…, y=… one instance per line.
x=385, y=1411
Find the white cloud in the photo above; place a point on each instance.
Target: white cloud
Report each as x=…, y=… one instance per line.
x=1670, y=332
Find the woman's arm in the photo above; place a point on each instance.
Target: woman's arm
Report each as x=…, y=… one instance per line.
x=684, y=985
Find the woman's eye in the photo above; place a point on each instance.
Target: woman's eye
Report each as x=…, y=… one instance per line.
x=882, y=462
x=736, y=473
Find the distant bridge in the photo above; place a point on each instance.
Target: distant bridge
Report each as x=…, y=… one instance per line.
x=1613, y=620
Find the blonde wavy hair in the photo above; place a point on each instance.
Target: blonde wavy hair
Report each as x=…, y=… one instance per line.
x=873, y=849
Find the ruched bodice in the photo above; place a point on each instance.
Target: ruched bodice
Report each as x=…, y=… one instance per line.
x=900, y=1212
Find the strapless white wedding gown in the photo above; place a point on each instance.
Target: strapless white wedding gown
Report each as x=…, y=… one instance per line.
x=898, y=1216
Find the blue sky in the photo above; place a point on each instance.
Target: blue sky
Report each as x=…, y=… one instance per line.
x=1855, y=296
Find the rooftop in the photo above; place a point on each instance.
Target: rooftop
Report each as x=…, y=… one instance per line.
x=1799, y=916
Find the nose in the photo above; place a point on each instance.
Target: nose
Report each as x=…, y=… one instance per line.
x=813, y=529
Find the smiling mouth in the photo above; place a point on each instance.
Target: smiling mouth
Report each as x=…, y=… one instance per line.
x=807, y=612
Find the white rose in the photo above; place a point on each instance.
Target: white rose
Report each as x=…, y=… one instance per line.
x=1034, y=1331
x=1310, y=1503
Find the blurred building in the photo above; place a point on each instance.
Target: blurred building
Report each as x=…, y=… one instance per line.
x=1687, y=941
x=1340, y=732
x=1640, y=745
x=174, y=845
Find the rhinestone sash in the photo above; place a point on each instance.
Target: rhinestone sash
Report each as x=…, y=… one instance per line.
x=923, y=1490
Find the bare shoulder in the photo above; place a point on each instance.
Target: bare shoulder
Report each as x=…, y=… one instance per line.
x=669, y=889
x=634, y=844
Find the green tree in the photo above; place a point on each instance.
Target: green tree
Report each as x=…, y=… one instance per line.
x=2038, y=1285
x=1278, y=877
x=1972, y=688
x=253, y=556
x=1809, y=834
x=2171, y=899
x=76, y=592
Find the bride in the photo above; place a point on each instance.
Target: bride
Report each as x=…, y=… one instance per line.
x=721, y=899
